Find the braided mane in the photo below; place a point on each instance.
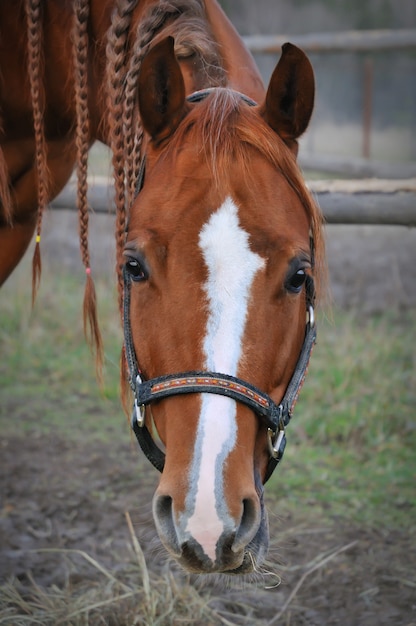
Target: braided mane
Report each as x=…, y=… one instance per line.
x=33, y=10
x=126, y=45
x=5, y=199
x=184, y=19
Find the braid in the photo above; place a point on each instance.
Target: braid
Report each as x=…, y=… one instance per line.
x=126, y=133
x=80, y=60
x=189, y=29
x=35, y=67
x=154, y=20
x=124, y=60
x=133, y=140
x=116, y=72
x=5, y=198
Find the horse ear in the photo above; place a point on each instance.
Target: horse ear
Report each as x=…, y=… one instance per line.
x=161, y=91
x=290, y=95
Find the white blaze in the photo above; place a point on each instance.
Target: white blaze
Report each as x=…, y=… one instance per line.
x=232, y=267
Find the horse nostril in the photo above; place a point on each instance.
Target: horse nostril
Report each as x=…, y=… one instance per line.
x=163, y=516
x=163, y=506
x=249, y=524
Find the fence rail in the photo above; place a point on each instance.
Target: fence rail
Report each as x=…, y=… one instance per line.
x=357, y=167
x=348, y=202
x=370, y=208
x=354, y=203
x=347, y=41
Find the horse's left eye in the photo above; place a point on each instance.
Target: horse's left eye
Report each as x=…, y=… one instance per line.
x=296, y=281
x=135, y=269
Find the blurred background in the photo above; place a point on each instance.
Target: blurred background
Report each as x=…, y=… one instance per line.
x=384, y=81
x=342, y=504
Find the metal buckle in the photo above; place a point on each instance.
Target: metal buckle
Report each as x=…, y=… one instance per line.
x=277, y=442
x=139, y=414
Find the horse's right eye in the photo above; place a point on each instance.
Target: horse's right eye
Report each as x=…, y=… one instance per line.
x=135, y=269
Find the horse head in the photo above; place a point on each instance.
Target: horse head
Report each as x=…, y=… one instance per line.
x=220, y=260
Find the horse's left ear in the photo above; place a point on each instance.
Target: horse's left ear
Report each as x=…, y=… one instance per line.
x=161, y=91
x=290, y=95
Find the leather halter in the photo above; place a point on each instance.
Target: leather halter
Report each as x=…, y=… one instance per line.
x=274, y=416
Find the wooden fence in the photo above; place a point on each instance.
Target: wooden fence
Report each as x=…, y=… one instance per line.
x=342, y=202
x=349, y=41
x=369, y=201
x=356, y=167
x=364, y=41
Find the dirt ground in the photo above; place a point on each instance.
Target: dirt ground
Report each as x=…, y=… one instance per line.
x=59, y=496
x=55, y=495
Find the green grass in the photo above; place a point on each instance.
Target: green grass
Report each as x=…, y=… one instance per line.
x=351, y=442
x=47, y=368
x=352, y=439
x=349, y=459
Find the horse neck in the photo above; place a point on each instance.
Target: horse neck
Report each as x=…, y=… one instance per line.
x=242, y=72
x=237, y=63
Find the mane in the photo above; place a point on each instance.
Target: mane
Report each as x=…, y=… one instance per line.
x=225, y=126
x=126, y=48
x=185, y=21
x=5, y=198
x=127, y=42
x=34, y=14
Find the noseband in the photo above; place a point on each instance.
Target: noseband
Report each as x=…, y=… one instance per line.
x=274, y=416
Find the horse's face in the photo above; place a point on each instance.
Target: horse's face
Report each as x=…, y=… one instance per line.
x=219, y=253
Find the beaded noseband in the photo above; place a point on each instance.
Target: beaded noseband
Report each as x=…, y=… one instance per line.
x=275, y=416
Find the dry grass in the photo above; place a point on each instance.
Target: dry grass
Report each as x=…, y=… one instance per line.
x=136, y=597
x=139, y=596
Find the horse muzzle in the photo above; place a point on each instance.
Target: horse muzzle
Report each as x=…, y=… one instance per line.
x=235, y=547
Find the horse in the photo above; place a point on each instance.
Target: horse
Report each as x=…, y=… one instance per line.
x=219, y=244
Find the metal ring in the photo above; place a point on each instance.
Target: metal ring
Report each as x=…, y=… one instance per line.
x=140, y=412
x=311, y=316
x=276, y=448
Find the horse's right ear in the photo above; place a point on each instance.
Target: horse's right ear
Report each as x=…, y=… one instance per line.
x=161, y=96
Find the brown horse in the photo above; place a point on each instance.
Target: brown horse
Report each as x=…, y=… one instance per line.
x=55, y=58
x=219, y=244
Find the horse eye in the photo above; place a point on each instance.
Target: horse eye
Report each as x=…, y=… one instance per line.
x=296, y=281
x=135, y=269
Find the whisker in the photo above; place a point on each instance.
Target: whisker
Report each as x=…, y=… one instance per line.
x=263, y=572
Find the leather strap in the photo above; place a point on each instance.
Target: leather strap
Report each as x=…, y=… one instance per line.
x=210, y=382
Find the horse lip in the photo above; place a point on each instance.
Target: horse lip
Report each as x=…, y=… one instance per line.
x=210, y=567
x=246, y=566
x=197, y=562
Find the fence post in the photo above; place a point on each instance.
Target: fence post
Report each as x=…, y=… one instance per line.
x=367, y=105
